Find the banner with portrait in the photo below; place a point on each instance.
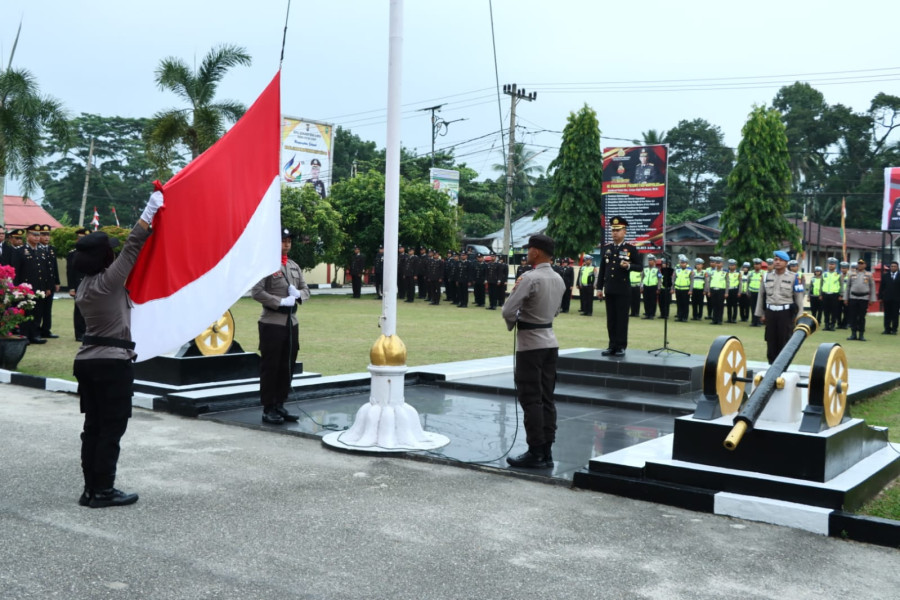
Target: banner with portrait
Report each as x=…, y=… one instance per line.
x=634, y=187
x=306, y=153
x=890, y=214
x=447, y=181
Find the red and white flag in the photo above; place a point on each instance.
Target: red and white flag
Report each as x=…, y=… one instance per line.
x=116, y=216
x=96, y=220
x=215, y=236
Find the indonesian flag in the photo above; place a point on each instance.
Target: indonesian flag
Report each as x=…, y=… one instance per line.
x=96, y=220
x=116, y=216
x=844, y=227
x=215, y=236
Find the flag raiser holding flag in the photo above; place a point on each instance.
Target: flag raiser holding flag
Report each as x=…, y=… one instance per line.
x=188, y=275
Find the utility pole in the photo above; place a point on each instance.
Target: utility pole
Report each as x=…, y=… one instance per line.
x=515, y=95
x=434, y=121
x=87, y=178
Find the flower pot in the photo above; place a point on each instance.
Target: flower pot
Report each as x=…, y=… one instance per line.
x=12, y=349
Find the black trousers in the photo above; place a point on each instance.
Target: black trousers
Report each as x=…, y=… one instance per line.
x=717, y=302
x=682, y=302
x=462, y=293
x=379, y=285
x=779, y=327
x=815, y=307
x=278, y=349
x=635, y=301
x=501, y=292
x=617, y=306
x=46, y=320
x=357, y=285
x=891, y=313
x=586, y=297
x=831, y=308
x=423, y=287
x=105, y=389
x=650, y=301
x=754, y=296
x=697, y=303
x=566, y=300
x=451, y=291
x=858, y=308
x=535, y=378
x=744, y=304
x=732, y=303
x=410, y=288
x=478, y=292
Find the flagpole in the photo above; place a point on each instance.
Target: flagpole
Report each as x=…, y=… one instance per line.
x=387, y=423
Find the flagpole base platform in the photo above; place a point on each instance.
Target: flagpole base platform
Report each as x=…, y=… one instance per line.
x=386, y=423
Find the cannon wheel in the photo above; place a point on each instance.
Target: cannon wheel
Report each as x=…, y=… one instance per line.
x=828, y=379
x=725, y=362
x=217, y=338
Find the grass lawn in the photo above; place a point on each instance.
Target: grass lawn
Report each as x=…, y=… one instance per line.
x=336, y=333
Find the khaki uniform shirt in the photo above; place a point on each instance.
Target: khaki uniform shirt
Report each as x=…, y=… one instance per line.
x=271, y=289
x=104, y=303
x=778, y=290
x=860, y=286
x=534, y=299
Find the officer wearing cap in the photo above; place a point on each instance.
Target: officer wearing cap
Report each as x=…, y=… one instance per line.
x=860, y=290
x=843, y=307
x=451, y=276
x=357, y=269
x=586, y=277
x=280, y=294
x=314, y=166
x=533, y=303
x=780, y=298
x=889, y=294
x=698, y=289
x=9, y=253
x=650, y=277
x=666, y=279
x=479, y=279
x=732, y=290
x=645, y=172
x=754, y=282
x=401, y=271
x=744, y=293
x=682, y=284
x=104, y=365
x=617, y=261
x=73, y=278
x=716, y=287
x=411, y=274
x=831, y=290
x=814, y=292
x=34, y=272
x=568, y=275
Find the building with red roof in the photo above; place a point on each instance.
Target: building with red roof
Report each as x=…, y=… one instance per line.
x=19, y=212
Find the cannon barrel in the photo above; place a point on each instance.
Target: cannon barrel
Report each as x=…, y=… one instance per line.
x=804, y=327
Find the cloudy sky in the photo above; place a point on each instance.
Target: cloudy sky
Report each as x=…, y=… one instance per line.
x=640, y=65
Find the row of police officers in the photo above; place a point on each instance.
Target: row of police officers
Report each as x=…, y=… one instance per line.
x=32, y=256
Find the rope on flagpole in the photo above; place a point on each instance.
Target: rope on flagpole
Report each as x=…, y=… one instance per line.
x=284, y=37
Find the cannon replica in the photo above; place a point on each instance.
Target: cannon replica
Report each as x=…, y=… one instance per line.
x=786, y=427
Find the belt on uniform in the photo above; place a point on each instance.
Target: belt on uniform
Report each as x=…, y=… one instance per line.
x=287, y=310
x=524, y=326
x=99, y=340
x=855, y=297
x=777, y=307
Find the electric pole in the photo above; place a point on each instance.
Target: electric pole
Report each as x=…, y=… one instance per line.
x=515, y=95
x=434, y=120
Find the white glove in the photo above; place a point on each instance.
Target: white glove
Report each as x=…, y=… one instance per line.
x=153, y=204
x=293, y=291
x=288, y=301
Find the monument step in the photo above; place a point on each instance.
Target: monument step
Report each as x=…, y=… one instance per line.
x=635, y=383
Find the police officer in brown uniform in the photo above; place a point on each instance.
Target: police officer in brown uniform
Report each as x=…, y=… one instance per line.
x=859, y=291
x=530, y=309
x=280, y=293
x=104, y=364
x=780, y=298
x=617, y=261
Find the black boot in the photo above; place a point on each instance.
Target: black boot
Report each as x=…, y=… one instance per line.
x=281, y=410
x=548, y=453
x=272, y=416
x=85, y=499
x=852, y=337
x=111, y=497
x=533, y=459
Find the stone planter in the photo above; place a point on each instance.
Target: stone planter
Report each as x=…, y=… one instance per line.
x=12, y=349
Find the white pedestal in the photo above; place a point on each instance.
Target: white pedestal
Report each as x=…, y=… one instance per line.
x=387, y=423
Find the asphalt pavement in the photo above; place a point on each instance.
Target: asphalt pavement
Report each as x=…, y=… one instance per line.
x=228, y=512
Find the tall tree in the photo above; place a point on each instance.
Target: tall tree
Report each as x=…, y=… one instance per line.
x=25, y=116
x=480, y=203
x=810, y=130
x=315, y=223
x=121, y=171
x=753, y=222
x=349, y=148
x=574, y=211
x=699, y=158
x=527, y=172
x=203, y=123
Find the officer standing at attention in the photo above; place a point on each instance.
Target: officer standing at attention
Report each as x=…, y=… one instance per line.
x=280, y=293
x=401, y=271
x=52, y=268
x=779, y=299
x=617, y=262
x=815, y=294
x=698, y=289
x=357, y=268
x=568, y=275
x=586, y=286
x=379, y=272
x=733, y=290
x=889, y=292
x=532, y=305
x=754, y=282
x=831, y=294
x=744, y=293
x=682, y=289
x=650, y=287
x=860, y=290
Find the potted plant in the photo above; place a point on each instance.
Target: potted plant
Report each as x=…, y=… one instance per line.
x=16, y=301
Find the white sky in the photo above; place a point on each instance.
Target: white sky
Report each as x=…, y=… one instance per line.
x=99, y=56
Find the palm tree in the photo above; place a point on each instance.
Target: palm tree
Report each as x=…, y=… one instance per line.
x=199, y=126
x=25, y=116
x=526, y=171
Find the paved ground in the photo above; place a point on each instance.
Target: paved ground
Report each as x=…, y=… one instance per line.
x=228, y=512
